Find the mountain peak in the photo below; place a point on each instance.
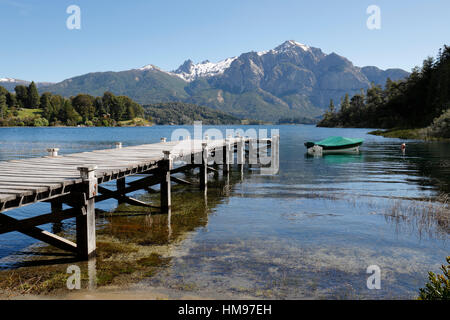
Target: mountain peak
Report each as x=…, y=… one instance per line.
x=289, y=44
x=190, y=71
x=185, y=67
x=9, y=80
x=149, y=67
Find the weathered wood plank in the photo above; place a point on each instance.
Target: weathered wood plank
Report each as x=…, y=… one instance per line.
x=27, y=223
x=40, y=234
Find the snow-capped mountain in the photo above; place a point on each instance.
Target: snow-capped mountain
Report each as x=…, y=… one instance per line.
x=190, y=71
x=9, y=80
x=10, y=83
x=290, y=80
x=149, y=67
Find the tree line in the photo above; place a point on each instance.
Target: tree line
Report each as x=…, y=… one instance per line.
x=55, y=110
x=179, y=113
x=421, y=100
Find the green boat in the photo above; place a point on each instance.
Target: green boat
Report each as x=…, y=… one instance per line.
x=334, y=145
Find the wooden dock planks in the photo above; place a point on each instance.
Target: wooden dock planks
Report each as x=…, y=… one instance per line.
x=40, y=176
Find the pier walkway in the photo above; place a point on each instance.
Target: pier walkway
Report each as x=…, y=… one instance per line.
x=75, y=180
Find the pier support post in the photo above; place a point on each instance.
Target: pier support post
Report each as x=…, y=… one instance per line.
x=241, y=153
x=226, y=156
x=253, y=151
x=275, y=154
x=204, y=167
x=121, y=185
x=86, y=244
x=57, y=207
x=166, y=166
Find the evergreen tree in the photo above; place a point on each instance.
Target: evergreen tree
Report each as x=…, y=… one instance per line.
x=3, y=91
x=99, y=108
x=331, y=107
x=21, y=96
x=114, y=105
x=46, y=105
x=11, y=100
x=3, y=107
x=410, y=103
x=68, y=115
x=53, y=111
x=84, y=105
x=346, y=103
x=33, y=96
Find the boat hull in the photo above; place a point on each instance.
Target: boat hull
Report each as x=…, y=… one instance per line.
x=317, y=150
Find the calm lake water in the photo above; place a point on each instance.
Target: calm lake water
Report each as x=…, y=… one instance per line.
x=310, y=231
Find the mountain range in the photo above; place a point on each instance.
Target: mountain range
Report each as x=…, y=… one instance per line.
x=291, y=80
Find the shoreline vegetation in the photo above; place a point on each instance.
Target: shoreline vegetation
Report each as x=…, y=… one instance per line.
x=26, y=108
x=417, y=107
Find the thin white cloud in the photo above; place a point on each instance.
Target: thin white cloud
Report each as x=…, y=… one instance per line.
x=23, y=9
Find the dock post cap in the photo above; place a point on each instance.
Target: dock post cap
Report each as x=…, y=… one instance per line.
x=87, y=168
x=166, y=154
x=52, y=152
x=118, y=145
x=163, y=139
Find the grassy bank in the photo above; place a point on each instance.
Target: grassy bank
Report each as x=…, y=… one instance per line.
x=418, y=134
x=34, y=118
x=413, y=134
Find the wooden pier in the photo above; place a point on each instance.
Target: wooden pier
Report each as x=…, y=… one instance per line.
x=75, y=180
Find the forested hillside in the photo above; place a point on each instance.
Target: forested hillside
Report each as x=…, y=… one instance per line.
x=185, y=113
x=422, y=100
x=26, y=107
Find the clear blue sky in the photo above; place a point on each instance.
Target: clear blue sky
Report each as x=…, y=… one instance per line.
x=36, y=45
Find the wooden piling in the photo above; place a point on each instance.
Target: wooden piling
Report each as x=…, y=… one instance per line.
x=226, y=156
x=253, y=150
x=165, y=192
x=57, y=207
x=120, y=185
x=204, y=167
x=241, y=153
x=85, y=223
x=275, y=153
